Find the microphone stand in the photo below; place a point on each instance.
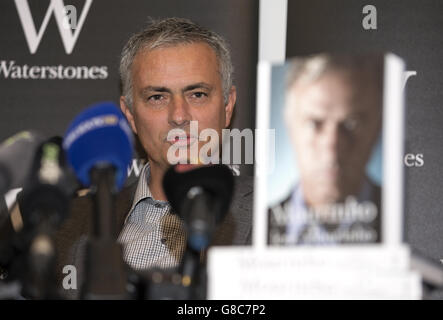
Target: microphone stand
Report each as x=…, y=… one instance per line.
x=105, y=270
x=201, y=197
x=200, y=224
x=44, y=208
x=39, y=282
x=193, y=274
x=188, y=280
x=185, y=282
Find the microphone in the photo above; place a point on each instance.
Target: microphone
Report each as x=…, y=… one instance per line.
x=44, y=205
x=51, y=183
x=99, y=146
x=16, y=155
x=45, y=196
x=201, y=196
x=99, y=136
x=27, y=249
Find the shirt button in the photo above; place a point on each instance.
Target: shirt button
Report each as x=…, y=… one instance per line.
x=163, y=240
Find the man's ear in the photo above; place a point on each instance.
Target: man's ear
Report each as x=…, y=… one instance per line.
x=229, y=108
x=128, y=113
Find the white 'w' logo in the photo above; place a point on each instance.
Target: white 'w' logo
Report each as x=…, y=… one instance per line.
x=33, y=37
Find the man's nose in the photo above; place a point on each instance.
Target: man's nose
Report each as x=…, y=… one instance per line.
x=179, y=114
x=332, y=143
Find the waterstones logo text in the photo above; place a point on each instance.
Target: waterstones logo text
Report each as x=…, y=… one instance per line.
x=11, y=70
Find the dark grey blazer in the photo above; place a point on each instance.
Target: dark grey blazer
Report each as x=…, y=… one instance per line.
x=236, y=228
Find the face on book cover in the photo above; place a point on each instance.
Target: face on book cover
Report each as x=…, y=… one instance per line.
x=173, y=86
x=335, y=122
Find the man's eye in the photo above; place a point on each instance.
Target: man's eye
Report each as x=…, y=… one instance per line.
x=350, y=124
x=158, y=100
x=315, y=124
x=199, y=95
x=155, y=97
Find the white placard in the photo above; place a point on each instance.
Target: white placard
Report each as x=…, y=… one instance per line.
x=354, y=272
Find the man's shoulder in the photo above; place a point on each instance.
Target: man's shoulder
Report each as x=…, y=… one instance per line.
x=236, y=228
x=243, y=189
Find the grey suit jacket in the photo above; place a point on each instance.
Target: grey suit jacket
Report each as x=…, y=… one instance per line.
x=71, y=239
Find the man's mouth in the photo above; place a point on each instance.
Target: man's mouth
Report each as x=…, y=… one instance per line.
x=330, y=173
x=182, y=141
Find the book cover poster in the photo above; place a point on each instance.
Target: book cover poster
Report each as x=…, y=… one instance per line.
x=326, y=186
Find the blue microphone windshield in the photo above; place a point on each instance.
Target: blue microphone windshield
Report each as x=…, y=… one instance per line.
x=99, y=135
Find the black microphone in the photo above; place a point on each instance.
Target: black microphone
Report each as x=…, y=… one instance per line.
x=47, y=188
x=201, y=197
x=43, y=206
x=51, y=184
x=16, y=155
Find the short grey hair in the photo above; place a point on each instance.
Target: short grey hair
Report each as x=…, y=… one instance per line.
x=362, y=68
x=171, y=32
x=311, y=68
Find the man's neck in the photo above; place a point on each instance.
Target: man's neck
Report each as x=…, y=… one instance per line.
x=156, y=181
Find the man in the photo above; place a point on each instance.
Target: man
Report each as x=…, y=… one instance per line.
x=172, y=73
x=333, y=114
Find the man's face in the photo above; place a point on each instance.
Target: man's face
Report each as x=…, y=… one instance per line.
x=335, y=124
x=173, y=86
